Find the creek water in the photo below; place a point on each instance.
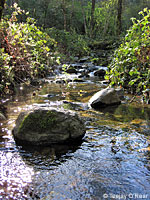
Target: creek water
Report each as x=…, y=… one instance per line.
x=112, y=161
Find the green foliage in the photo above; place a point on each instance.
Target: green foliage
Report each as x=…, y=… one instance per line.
x=24, y=50
x=49, y=13
x=104, y=19
x=130, y=9
x=130, y=67
x=70, y=43
x=52, y=13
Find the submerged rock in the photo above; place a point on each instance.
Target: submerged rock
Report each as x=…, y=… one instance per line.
x=105, y=97
x=44, y=126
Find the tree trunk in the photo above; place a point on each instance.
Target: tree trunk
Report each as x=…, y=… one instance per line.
x=84, y=17
x=119, y=17
x=45, y=15
x=2, y=2
x=65, y=14
x=45, y=6
x=72, y=15
x=92, y=17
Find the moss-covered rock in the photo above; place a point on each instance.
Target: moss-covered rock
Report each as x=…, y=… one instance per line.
x=44, y=126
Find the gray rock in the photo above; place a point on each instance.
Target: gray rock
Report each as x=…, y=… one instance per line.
x=2, y=116
x=120, y=92
x=84, y=59
x=105, y=97
x=78, y=80
x=76, y=58
x=71, y=71
x=77, y=65
x=100, y=73
x=45, y=126
x=105, y=82
x=60, y=81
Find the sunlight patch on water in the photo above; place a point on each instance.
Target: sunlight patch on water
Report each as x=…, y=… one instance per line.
x=15, y=175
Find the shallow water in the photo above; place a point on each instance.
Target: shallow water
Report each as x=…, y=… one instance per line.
x=112, y=161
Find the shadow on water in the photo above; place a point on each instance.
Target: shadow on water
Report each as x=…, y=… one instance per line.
x=47, y=157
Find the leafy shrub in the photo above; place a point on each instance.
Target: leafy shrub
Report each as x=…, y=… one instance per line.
x=71, y=43
x=24, y=49
x=130, y=67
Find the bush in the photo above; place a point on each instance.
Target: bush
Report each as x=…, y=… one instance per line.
x=24, y=49
x=70, y=43
x=130, y=66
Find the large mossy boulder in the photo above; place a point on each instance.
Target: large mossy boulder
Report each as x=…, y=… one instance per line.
x=105, y=97
x=45, y=126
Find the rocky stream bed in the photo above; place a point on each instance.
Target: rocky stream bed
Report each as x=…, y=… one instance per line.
x=112, y=161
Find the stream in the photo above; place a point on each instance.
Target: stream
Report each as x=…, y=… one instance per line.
x=112, y=161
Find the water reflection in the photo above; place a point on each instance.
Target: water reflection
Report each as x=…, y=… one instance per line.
x=126, y=112
x=88, y=176
x=48, y=157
